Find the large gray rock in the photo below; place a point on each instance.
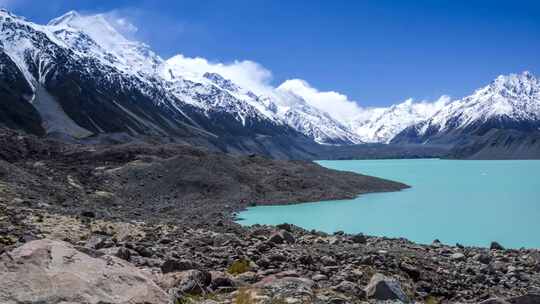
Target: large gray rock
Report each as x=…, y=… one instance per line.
x=494, y=301
x=280, y=237
x=530, y=298
x=186, y=282
x=47, y=271
x=174, y=265
x=382, y=288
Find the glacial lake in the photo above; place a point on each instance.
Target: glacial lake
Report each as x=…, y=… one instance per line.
x=465, y=201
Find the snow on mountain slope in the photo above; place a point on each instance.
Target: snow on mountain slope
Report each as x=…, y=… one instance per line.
x=94, y=36
x=279, y=105
x=516, y=96
x=90, y=45
x=119, y=77
x=509, y=102
x=382, y=124
x=210, y=91
x=311, y=121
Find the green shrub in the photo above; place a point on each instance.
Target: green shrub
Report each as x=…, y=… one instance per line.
x=238, y=267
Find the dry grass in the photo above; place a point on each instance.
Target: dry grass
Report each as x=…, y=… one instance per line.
x=238, y=267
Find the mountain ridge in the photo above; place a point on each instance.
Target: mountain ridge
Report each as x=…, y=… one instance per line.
x=78, y=76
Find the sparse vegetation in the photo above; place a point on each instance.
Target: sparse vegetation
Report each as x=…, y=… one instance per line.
x=239, y=267
x=244, y=296
x=432, y=300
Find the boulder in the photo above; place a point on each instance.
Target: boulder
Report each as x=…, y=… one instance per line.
x=221, y=281
x=483, y=258
x=280, y=237
x=496, y=246
x=458, y=256
x=359, y=238
x=47, y=271
x=174, y=265
x=530, y=298
x=319, y=277
x=186, y=282
x=382, y=288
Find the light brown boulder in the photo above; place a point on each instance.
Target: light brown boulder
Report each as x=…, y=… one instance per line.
x=47, y=271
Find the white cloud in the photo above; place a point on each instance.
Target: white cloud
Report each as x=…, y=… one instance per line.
x=255, y=77
x=245, y=73
x=426, y=107
x=338, y=105
x=123, y=25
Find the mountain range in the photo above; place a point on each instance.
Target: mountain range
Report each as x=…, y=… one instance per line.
x=78, y=77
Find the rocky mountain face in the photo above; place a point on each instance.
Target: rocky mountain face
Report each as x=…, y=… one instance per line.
x=502, y=118
x=78, y=77
x=380, y=125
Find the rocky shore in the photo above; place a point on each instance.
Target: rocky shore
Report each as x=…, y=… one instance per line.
x=139, y=223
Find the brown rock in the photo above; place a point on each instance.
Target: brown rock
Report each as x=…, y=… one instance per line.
x=46, y=271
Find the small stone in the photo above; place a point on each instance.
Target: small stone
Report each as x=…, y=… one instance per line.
x=349, y=288
x=287, y=237
x=306, y=259
x=328, y=261
x=277, y=257
x=319, y=277
x=483, y=258
x=88, y=213
x=411, y=270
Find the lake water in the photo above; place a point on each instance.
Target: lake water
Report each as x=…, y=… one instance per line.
x=470, y=202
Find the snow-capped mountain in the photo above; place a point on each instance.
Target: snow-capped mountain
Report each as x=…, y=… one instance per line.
x=94, y=36
x=79, y=76
x=103, y=60
x=509, y=102
x=380, y=125
x=320, y=126
x=83, y=77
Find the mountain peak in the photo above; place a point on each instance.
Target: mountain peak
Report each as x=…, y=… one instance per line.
x=219, y=80
x=515, y=79
x=65, y=18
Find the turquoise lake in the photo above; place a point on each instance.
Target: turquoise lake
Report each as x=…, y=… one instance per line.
x=465, y=201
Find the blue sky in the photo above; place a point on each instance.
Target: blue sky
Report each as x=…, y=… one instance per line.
x=376, y=52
